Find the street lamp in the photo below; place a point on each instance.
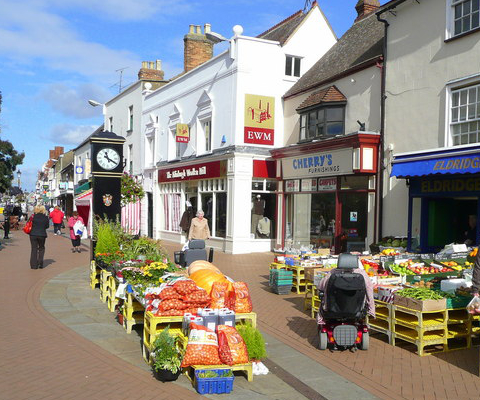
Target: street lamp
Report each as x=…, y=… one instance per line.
x=19, y=174
x=95, y=103
x=217, y=38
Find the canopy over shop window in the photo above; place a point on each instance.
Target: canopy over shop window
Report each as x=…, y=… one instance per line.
x=455, y=160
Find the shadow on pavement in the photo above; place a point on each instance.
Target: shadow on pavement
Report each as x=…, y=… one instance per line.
x=305, y=328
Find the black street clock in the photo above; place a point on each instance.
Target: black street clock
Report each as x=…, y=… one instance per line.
x=107, y=170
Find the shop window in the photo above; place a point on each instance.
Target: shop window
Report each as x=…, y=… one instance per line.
x=322, y=122
x=263, y=215
x=264, y=185
x=465, y=16
x=292, y=66
x=465, y=115
x=310, y=220
x=354, y=182
x=171, y=211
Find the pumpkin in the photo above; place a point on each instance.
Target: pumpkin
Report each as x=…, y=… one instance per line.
x=202, y=264
x=205, y=278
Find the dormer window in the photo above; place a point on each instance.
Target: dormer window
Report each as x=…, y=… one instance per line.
x=322, y=114
x=292, y=66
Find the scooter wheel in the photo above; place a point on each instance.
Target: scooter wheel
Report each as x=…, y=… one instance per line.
x=323, y=341
x=365, y=343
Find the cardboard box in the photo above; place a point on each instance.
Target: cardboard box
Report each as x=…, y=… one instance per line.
x=323, y=252
x=311, y=272
x=420, y=305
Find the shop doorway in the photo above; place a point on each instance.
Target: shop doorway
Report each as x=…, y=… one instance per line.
x=353, y=227
x=449, y=220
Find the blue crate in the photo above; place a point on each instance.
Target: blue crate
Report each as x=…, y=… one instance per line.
x=213, y=385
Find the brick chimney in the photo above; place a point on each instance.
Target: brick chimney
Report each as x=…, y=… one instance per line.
x=151, y=71
x=197, y=48
x=365, y=7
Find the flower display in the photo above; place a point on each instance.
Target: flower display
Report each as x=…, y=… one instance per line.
x=131, y=190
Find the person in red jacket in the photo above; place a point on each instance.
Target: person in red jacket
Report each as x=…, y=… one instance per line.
x=57, y=218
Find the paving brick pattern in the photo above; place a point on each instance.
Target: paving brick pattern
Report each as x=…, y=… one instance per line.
x=42, y=359
x=386, y=371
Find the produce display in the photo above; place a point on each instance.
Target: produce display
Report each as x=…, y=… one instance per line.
x=420, y=294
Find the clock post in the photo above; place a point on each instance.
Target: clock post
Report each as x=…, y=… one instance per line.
x=107, y=170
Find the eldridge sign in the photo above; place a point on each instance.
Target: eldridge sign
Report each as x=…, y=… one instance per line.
x=259, y=119
x=214, y=169
x=335, y=162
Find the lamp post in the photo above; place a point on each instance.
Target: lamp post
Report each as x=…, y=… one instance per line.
x=95, y=103
x=19, y=174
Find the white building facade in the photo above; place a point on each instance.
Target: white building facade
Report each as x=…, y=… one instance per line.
x=210, y=130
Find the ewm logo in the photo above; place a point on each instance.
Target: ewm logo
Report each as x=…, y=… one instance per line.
x=258, y=136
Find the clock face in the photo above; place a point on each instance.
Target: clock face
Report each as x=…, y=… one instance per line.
x=108, y=158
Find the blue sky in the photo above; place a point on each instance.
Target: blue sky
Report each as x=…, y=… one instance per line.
x=57, y=54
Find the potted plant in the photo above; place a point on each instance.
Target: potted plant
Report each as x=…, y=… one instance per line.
x=167, y=357
x=255, y=346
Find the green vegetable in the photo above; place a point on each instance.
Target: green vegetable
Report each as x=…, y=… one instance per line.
x=420, y=294
x=253, y=340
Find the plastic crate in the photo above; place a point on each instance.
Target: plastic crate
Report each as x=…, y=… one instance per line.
x=458, y=302
x=213, y=385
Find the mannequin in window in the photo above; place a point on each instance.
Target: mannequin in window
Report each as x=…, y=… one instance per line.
x=258, y=208
x=263, y=228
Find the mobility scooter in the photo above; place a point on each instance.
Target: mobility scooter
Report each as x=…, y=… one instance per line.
x=343, y=307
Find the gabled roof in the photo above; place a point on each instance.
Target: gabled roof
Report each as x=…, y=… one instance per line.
x=282, y=31
x=361, y=44
x=328, y=95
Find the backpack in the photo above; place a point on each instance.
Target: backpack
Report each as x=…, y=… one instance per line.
x=346, y=295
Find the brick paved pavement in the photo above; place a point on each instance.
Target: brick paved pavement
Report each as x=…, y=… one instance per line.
x=385, y=371
x=40, y=358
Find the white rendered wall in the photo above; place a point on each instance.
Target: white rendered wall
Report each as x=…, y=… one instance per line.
x=419, y=66
x=363, y=92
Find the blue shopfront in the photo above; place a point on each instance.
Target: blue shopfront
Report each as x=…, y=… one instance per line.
x=443, y=201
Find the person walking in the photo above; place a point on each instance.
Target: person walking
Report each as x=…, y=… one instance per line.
x=6, y=223
x=38, y=236
x=73, y=236
x=199, y=227
x=57, y=218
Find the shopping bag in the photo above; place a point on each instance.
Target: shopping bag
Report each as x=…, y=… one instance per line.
x=28, y=226
x=78, y=228
x=474, y=306
x=84, y=234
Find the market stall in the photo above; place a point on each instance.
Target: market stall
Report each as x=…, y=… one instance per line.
x=196, y=320
x=420, y=299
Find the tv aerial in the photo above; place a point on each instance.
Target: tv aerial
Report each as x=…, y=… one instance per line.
x=120, y=81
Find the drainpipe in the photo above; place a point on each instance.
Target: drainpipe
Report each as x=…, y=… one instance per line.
x=380, y=164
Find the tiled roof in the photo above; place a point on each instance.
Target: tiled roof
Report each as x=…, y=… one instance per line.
x=327, y=95
x=361, y=43
x=282, y=31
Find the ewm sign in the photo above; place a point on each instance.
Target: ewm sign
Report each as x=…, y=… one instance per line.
x=259, y=119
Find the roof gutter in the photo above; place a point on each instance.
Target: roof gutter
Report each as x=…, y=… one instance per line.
x=381, y=164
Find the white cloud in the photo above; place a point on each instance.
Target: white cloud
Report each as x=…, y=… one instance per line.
x=72, y=101
x=69, y=134
x=128, y=10
x=31, y=35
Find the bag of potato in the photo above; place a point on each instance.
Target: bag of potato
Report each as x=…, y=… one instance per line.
x=202, y=347
x=233, y=349
x=218, y=294
x=239, y=299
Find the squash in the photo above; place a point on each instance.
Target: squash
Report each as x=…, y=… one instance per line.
x=202, y=264
x=205, y=278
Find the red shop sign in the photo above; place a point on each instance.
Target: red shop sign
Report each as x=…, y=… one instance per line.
x=213, y=169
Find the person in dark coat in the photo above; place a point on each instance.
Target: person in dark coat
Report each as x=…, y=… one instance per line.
x=186, y=220
x=38, y=235
x=6, y=223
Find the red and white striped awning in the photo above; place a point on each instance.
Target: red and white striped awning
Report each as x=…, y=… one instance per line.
x=84, y=198
x=131, y=218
